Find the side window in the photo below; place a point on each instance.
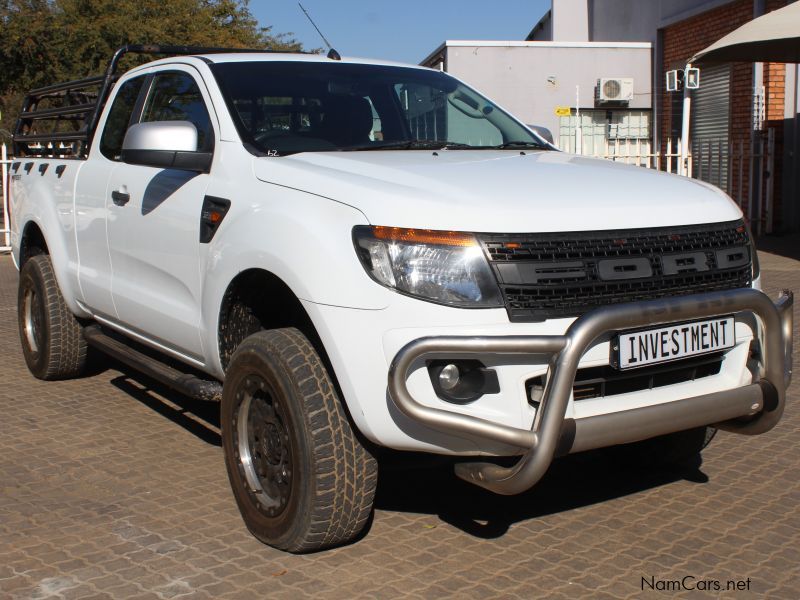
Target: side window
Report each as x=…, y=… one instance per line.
x=176, y=97
x=119, y=117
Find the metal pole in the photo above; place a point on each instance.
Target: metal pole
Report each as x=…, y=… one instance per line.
x=638, y=152
x=769, y=176
x=740, y=188
x=668, y=157
x=4, y=183
x=578, y=127
x=750, y=187
x=687, y=108
x=655, y=97
x=760, y=209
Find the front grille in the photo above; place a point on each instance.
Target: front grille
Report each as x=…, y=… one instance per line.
x=599, y=382
x=554, y=275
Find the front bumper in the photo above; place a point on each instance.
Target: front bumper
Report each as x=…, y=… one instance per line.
x=750, y=409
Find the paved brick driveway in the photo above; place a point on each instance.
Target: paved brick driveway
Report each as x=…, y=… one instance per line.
x=110, y=487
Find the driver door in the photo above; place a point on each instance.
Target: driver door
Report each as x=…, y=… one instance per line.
x=154, y=227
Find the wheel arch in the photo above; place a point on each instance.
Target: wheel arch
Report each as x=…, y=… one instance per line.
x=32, y=242
x=37, y=238
x=257, y=299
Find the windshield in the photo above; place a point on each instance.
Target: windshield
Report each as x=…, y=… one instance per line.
x=282, y=108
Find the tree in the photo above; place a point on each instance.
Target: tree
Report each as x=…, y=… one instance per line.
x=48, y=41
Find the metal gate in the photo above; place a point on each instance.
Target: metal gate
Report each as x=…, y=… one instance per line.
x=5, y=223
x=711, y=124
x=744, y=169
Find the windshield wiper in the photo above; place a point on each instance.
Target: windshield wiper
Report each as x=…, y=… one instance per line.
x=411, y=145
x=520, y=144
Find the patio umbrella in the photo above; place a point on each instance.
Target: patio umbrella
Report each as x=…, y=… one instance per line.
x=774, y=37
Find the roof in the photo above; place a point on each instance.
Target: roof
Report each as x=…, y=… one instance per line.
x=277, y=57
x=774, y=37
x=536, y=44
x=540, y=24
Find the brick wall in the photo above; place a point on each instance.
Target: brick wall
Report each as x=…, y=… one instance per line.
x=682, y=40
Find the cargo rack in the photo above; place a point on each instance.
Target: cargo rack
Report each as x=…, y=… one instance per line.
x=69, y=111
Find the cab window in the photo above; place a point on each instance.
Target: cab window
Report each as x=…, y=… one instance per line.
x=175, y=96
x=119, y=118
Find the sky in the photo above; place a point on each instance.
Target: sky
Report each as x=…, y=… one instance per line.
x=403, y=30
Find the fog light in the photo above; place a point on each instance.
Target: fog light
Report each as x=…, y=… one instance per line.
x=462, y=381
x=449, y=377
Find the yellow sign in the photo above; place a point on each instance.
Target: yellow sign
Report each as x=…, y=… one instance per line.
x=563, y=111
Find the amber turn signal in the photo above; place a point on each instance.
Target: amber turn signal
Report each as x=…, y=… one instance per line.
x=425, y=236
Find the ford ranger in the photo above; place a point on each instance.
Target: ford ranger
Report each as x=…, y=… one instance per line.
x=352, y=255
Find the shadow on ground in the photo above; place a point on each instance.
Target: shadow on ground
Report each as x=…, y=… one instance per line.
x=198, y=417
x=424, y=484
x=572, y=482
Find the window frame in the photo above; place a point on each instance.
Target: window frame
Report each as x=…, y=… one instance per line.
x=227, y=89
x=138, y=109
x=148, y=89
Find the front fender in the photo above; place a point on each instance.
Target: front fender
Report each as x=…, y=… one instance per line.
x=303, y=239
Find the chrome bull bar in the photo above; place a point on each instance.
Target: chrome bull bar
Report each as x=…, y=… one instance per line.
x=751, y=409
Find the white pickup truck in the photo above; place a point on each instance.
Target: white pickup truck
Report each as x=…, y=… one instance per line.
x=354, y=255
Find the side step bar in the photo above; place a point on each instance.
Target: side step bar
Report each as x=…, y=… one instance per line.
x=189, y=385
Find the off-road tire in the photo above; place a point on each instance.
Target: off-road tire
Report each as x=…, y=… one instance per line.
x=677, y=449
x=332, y=476
x=52, y=338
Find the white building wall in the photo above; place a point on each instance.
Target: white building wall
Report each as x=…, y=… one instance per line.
x=532, y=79
x=570, y=21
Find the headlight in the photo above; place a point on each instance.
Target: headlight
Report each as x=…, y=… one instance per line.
x=440, y=266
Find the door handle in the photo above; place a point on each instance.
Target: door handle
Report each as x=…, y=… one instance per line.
x=120, y=198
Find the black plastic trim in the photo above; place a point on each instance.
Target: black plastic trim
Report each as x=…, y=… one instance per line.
x=185, y=383
x=169, y=159
x=565, y=274
x=208, y=227
x=120, y=198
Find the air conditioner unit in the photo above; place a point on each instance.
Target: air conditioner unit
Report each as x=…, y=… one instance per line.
x=615, y=89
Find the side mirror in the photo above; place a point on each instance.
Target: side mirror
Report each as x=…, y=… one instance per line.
x=165, y=144
x=543, y=133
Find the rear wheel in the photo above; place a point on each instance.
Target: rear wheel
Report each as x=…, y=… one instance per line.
x=300, y=476
x=52, y=339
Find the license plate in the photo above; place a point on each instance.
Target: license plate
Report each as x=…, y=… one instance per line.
x=672, y=342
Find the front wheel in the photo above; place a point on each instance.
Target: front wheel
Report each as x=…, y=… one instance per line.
x=300, y=476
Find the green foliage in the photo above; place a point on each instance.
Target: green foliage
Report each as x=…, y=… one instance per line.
x=47, y=41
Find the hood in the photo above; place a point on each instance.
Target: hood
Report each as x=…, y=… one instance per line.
x=499, y=191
